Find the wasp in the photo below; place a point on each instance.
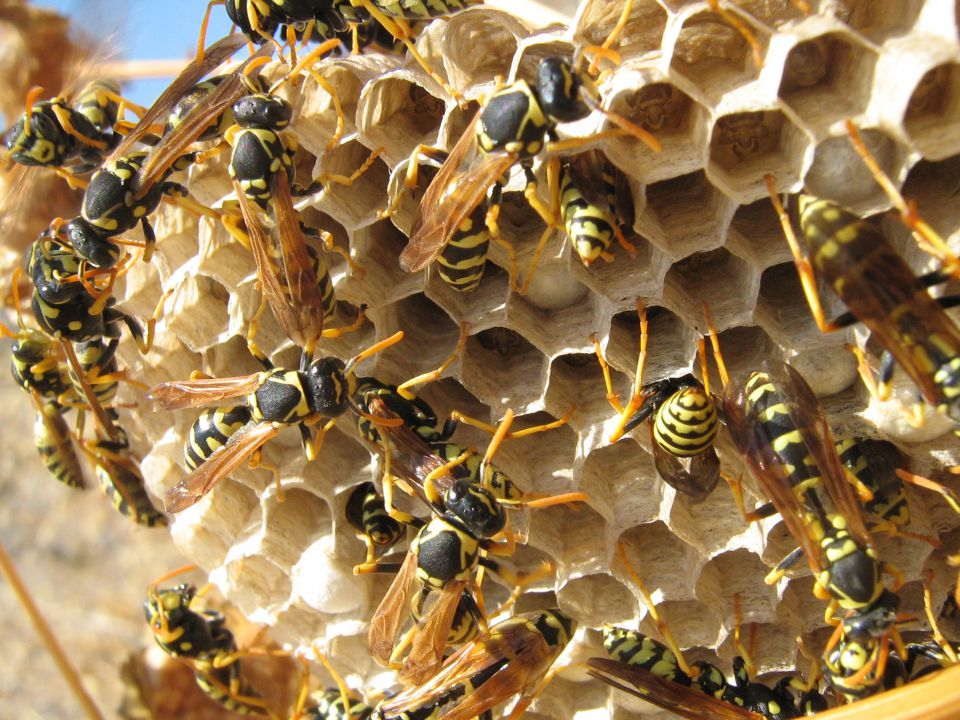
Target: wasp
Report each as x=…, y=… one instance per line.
x=880, y=290
x=456, y=220
x=595, y=203
x=131, y=182
x=202, y=639
x=275, y=398
x=513, y=657
x=684, y=419
x=366, y=513
x=119, y=477
x=659, y=673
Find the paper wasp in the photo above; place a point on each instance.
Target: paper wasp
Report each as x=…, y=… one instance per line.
x=275, y=399
x=595, y=203
x=683, y=417
x=513, y=657
x=455, y=220
x=131, y=183
x=880, y=290
x=659, y=673
x=203, y=641
x=367, y=515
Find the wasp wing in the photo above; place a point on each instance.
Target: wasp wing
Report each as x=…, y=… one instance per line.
x=682, y=700
x=513, y=658
x=214, y=56
x=806, y=413
x=754, y=445
x=426, y=652
x=587, y=172
x=175, y=143
x=455, y=191
x=695, y=476
x=224, y=461
x=305, y=300
x=389, y=615
x=179, y=394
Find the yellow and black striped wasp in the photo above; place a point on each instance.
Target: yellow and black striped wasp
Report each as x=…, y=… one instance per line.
x=880, y=290
x=202, y=640
x=595, y=204
x=683, y=415
x=367, y=515
x=131, y=183
x=514, y=657
x=456, y=220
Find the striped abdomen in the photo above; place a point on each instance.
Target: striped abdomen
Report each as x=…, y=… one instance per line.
x=120, y=480
x=769, y=408
x=52, y=438
x=461, y=262
x=367, y=514
x=635, y=648
x=889, y=496
x=590, y=227
x=211, y=431
x=686, y=423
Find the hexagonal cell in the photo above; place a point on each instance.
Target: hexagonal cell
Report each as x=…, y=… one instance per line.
x=716, y=277
x=837, y=172
x=933, y=112
x=711, y=525
x=426, y=327
x=622, y=484
x=702, y=626
x=685, y=214
x=354, y=204
x=543, y=460
x=197, y=311
x=482, y=306
x=744, y=349
x=642, y=33
x=737, y=572
x=315, y=110
x=576, y=379
x=671, y=344
x=677, y=121
x=569, y=535
x=503, y=369
x=756, y=235
x=745, y=146
x=714, y=55
x=772, y=13
x=597, y=599
x=881, y=19
x=628, y=276
x=257, y=583
x=783, y=311
x=290, y=526
x=465, y=66
x=828, y=78
x=387, y=117
x=551, y=331
x=655, y=554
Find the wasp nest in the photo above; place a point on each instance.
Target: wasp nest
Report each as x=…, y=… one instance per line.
x=705, y=232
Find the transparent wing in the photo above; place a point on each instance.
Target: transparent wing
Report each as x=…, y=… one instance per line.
x=393, y=609
x=426, y=652
x=179, y=394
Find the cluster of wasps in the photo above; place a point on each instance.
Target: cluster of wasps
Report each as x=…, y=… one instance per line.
x=819, y=487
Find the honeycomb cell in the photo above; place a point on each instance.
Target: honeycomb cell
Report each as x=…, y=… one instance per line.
x=354, y=204
x=744, y=146
x=685, y=214
x=882, y=19
x=755, y=235
x=299, y=518
x=736, y=572
x=541, y=460
x=772, y=12
x=782, y=308
x=489, y=370
x=621, y=481
x=702, y=627
x=197, y=311
x=379, y=245
x=679, y=123
x=712, y=525
x=576, y=379
x=656, y=553
x=477, y=44
x=316, y=112
x=569, y=536
x=387, y=117
x=671, y=344
x=713, y=56
x=627, y=276
x=716, y=277
x=838, y=174
x=828, y=78
x=745, y=348
x=932, y=115
x=642, y=33
x=426, y=327
x=554, y=332
x=258, y=584
x=597, y=599
x=220, y=257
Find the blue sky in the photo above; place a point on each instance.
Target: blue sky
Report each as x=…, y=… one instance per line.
x=149, y=29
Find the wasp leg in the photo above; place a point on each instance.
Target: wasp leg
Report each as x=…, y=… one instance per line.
x=549, y=215
x=492, y=221
x=257, y=461
x=745, y=652
x=662, y=627
x=927, y=238
x=741, y=27
x=932, y=619
x=929, y=484
x=457, y=417
x=636, y=394
x=435, y=374
x=791, y=559
x=614, y=34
